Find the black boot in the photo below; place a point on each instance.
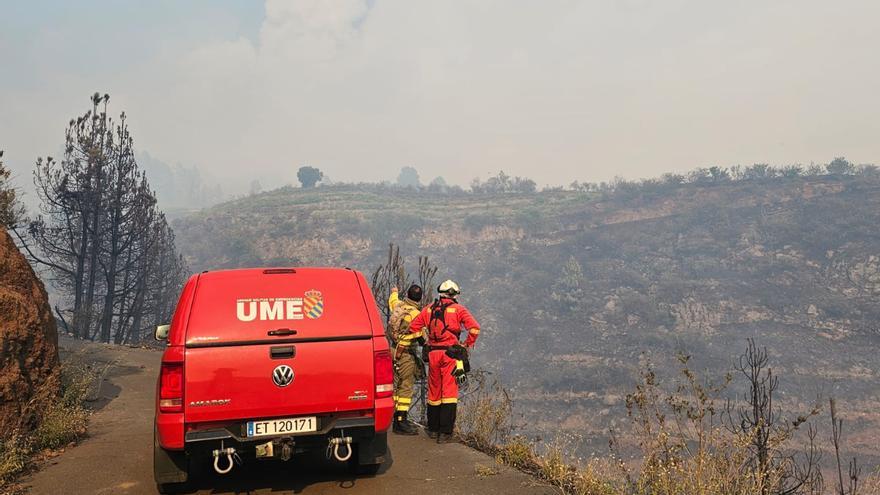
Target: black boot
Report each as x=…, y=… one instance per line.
x=447, y=415
x=406, y=420
x=446, y=423
x=445, y=438
x=402, y=426
x=433, y=421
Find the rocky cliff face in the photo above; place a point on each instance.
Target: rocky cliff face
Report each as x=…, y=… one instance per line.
x=28, y=338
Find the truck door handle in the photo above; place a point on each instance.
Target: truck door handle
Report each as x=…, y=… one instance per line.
x=281, y=352
x=282, y=331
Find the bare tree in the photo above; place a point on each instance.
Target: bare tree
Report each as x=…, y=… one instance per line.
x=391, y=274
x=127, y=214
x=165, y=281
x=160, y=277
x=99, y=231
x=852, y=487
x=67, y=231
x=759, y=421
x=427, y=272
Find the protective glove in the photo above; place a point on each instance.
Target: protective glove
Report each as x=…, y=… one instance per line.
x=459, y=373
x=459, y=368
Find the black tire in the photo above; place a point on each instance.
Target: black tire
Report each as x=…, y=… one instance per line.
x=174, y=488
x=367, y=469
x=355, y=467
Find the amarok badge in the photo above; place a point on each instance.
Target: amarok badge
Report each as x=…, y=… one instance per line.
x=313, y=304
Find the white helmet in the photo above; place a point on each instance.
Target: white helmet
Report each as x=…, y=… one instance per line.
x=449, y=288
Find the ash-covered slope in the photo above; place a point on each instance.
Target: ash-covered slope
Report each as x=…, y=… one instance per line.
x=576, y=290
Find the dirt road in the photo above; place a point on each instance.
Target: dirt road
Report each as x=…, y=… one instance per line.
x=117, y=456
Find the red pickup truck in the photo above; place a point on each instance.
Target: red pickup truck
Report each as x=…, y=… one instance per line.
x=268, y=363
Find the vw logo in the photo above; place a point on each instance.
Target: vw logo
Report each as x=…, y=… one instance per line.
x=283, y=375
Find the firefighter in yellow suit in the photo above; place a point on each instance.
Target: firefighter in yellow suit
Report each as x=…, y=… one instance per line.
x=405, y=362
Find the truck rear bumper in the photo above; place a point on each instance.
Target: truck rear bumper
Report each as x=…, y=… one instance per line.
x=371, y=446
x=236, y=431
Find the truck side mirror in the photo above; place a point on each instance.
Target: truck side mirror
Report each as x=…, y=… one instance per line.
x=162, y=332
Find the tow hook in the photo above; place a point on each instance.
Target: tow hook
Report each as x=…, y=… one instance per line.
x=286, y=450
x=333, y=446
x=231, y=458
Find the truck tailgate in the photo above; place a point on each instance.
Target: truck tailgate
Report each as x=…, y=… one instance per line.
x=235, y=382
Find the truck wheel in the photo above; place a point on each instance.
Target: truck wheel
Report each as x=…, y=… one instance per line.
x=369, y=455
x=367, y=469
x=173, y=488
x=355, y=467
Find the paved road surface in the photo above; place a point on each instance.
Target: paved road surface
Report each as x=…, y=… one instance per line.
x=117, y=456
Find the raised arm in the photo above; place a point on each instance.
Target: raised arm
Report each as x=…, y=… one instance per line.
x=393, y=299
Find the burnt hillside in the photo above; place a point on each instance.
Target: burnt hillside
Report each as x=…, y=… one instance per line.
x=576, y=290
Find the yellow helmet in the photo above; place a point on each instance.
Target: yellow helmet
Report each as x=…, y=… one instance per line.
x=449, y=288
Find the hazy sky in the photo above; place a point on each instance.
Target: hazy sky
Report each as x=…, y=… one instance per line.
x=553, y=90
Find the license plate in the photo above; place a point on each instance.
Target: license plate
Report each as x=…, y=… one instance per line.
x=285, y=426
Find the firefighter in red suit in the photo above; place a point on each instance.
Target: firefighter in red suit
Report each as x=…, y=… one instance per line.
x=447, y=359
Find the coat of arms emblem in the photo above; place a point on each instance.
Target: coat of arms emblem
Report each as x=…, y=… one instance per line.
x=313, y=304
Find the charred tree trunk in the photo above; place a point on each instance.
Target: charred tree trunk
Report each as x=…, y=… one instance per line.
x=99, y=232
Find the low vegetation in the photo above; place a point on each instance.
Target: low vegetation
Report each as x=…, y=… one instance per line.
x=60, y=420
x=688, y=436
x=619, y=187
x=11, y=210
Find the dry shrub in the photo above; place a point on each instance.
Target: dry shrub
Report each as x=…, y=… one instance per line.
x=485, y=423
x=60, y=425
x=871, y=483
x=557, y=465
x=595, y=478
x=519, y=452
x=484, y=418
x=78, y=380
x=63, y=420
x=691, y=441
x=60, y=419
x=553, y=466
x=691, y=445
x=14, y=454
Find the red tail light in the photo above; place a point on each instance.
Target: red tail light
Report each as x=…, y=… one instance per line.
x=384, y=374
x=171, y=388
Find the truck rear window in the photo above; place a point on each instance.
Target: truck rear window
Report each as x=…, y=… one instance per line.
x=241, y=306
